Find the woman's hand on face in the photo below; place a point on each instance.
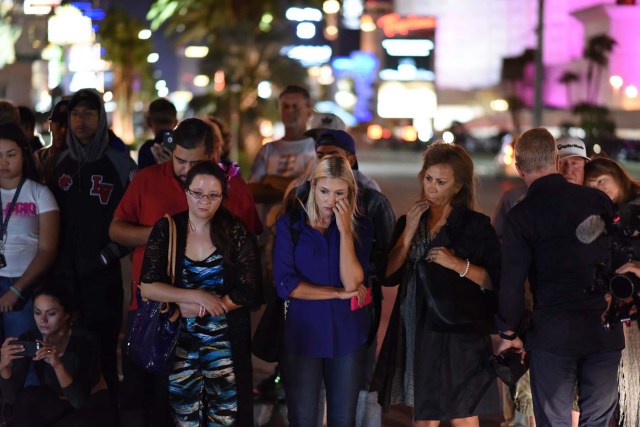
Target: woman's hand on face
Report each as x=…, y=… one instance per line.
x=443, y=256
x=213, y=304
x=8, y=301
x=8, y=352
x=49, y=354
x=342, y=211
x=413, y=216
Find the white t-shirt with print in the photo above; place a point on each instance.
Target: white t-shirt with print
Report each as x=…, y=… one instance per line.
x=288, y=159
x=21, y=244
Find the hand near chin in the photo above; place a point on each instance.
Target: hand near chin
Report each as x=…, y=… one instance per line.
x=342, y=211
x=414, y=214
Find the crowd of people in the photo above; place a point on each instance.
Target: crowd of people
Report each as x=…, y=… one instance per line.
x=310, y=228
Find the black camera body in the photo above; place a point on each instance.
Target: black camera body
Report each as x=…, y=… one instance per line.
x=622, y=288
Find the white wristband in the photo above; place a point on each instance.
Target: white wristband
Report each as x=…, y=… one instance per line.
x=466, y=269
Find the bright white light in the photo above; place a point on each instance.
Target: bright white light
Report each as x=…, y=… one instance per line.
x=201, y=80
x=408, y=47
x=304, y=14
x=308, y=55
x=266, y=128
x=596, y=148
x=351, y=13
x=325, y=76
x=163, y=91
x=161, y=84
x=37, y=8
x=331, y=6
x=345, y=99
x=108, y=96
x=616, y=82
x=110, y=106
x=499, y=105
x=196, y=51
x=68, y=26
x=631, y=91
x=448, y=137
x=144, y=34
x=306, y=30
x=264, y=91
x=406, y=100
x=152, y=58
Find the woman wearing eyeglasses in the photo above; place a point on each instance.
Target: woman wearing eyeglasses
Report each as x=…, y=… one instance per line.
x=217, y=282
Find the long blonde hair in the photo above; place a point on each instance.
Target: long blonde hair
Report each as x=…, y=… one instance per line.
x=334, y=168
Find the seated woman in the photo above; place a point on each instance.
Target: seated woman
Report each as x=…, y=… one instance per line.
x=320, y=262
x=608, y=176
x=217, y=283
x=72, y=391
x=442, y=375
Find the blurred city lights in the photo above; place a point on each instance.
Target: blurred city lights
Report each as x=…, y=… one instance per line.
x=68, y=26
x=308, y=55
x=264, y=90
x=153, y=57
x=597, y=149
x=201, y=80
x=325, y=76
x=219, y=81
x=265, y=22
x=448, y=137
x=306, y=30
x=266, y=128
x=409, y=133
x=110, y=106
x=616, y=82
x=351, y=13
x=331, y=32
x=499, y=105
x=303, y=14
x=331, y=6
x=631, y=91
x=408, y=47
x=108, y=96
x=345, y=99
x=39, y=7
x=196, y=51
x=144, y=34
x=374, y=131
x=366, y=24
x=163, y=92
x=161, y=84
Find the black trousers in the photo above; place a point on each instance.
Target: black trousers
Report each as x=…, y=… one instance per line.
x=553, y=381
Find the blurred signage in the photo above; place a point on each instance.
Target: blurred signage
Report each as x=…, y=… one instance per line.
x=393, y=24
x=308, y=55
x=406, y=100
x=69, y=26
x=361, y=67
x=409, y=47
x=310, y=47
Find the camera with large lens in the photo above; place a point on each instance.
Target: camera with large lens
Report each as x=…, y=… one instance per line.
x=623, y=288
x=113, y=252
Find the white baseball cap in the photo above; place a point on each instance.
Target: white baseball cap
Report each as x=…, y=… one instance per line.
x=571, y=147
x=322, y=121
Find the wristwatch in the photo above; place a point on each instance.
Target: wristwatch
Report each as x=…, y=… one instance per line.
x=508, y=337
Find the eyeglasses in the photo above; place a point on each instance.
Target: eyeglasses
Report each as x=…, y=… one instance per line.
x=199, y=196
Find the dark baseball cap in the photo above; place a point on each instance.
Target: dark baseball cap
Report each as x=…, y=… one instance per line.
x=338, y=138
x=60, y=112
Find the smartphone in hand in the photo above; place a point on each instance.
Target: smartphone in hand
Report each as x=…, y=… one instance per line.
x=30, y=348
x=367, y=301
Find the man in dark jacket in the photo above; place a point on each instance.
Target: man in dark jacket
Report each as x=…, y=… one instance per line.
x=88, y=181
x=549, y=237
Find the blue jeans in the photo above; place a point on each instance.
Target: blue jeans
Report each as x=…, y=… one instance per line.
x=16, y=323
x=303, y=376
x=553, y=382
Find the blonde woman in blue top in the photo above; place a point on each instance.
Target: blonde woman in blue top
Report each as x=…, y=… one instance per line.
x=320, y=263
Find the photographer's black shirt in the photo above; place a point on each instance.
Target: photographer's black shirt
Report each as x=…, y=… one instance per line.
x=540, y=242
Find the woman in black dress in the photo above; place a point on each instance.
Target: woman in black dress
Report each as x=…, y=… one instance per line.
x=442, y=375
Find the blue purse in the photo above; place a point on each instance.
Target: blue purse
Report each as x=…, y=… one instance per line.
x=153, y=335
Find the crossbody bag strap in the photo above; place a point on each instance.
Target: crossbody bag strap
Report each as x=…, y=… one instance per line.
x=171, y=257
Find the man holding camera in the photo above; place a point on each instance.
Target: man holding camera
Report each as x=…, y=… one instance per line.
x=88, y=180
x=566, y=343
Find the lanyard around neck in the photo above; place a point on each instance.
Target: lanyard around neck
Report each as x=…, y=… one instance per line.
x=4, y=222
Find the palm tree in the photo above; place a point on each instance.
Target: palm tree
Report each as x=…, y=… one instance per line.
x=568, y=78
x=132, y=74
x=597, y=52
x=513, y=77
